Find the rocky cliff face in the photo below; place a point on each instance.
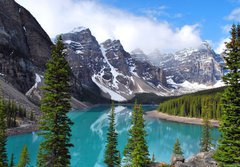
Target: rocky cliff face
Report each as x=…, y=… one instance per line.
x=98, y=70
x=200, y=65
x=188, y=70
x=24, y=50
x=108, y=68
x=24, y=45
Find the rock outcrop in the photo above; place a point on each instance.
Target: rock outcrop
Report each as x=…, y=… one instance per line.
x=25, y=49
x=108, y=69
x=24, y=45
x=202, y=159
x=177, y=159
x=199, y=65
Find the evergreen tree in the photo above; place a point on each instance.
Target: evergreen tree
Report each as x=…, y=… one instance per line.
x=206, y=140
x=54, y=124
x=131, y=143
x=12, y=161
x=193, y=105
x=136, y=151
x=228, y=151
x=112, y=155
x=3, y=136
x=177, y=148
x=153, y=158
x=24, y=159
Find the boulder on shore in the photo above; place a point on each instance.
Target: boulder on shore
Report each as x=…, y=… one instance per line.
x=176, y=159
x=202, y=159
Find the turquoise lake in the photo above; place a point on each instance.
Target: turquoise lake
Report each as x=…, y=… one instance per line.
x=89, y=136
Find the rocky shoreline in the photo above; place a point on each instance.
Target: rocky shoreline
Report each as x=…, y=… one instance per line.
x=187, y=120
x=26, y=128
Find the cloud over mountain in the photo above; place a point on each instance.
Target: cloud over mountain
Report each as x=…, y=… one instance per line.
x=59, y=16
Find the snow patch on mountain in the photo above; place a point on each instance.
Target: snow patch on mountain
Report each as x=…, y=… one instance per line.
x=140, y=89
x=187, y=87
x=133, y=70
x=35, y=86
x=114, y=96
x=114, y=72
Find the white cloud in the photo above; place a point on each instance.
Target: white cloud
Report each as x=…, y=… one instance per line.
x=221, y=46
x=60, y=16
x=226, y=29
x=234, y=15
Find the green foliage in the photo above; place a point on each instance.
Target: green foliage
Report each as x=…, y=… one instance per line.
x=3, y=136
x=24, y=158
x=228, y=151
x=148, y=98
x=112, y=155
x=193, y=105
x=151, y=98
x=13, y=111
x=206, y=140
x=54, y=124
x=136, y=151
x=12, y=161
x=177, y=148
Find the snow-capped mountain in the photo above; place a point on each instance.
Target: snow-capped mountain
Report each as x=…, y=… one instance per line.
x=191, y=69
x=108, y=67
x=105, y=69
x=119, y=75
x=98, y=70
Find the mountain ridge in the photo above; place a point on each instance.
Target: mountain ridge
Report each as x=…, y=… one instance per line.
x=102, y=70
x=108, y=66
x=119, y=72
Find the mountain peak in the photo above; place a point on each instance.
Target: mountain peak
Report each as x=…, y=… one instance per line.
x=112, y=43
x=205, y=45
x=79, y=29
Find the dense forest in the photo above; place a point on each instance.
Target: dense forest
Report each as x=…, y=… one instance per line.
x=193, y=105
x=15, y=113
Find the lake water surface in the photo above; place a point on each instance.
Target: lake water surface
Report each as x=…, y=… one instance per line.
x=89, y=136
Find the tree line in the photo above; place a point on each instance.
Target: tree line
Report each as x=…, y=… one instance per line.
x=193, y=106
x=14, y=111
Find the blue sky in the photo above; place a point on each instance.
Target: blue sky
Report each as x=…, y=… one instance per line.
x=145, y=24
x=211, y=15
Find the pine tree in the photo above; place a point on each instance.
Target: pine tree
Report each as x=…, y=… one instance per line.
x=3, y=136
x=136, y=151
x=24, y=159
x=228, y=151
x=206, y=140
x=12, y=161
x=54, y=124
x=153, y=158
x=112, y=157
x=132, y=136
x=177, y=148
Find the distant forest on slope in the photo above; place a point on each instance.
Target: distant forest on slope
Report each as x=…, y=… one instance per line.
x=193, y=105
